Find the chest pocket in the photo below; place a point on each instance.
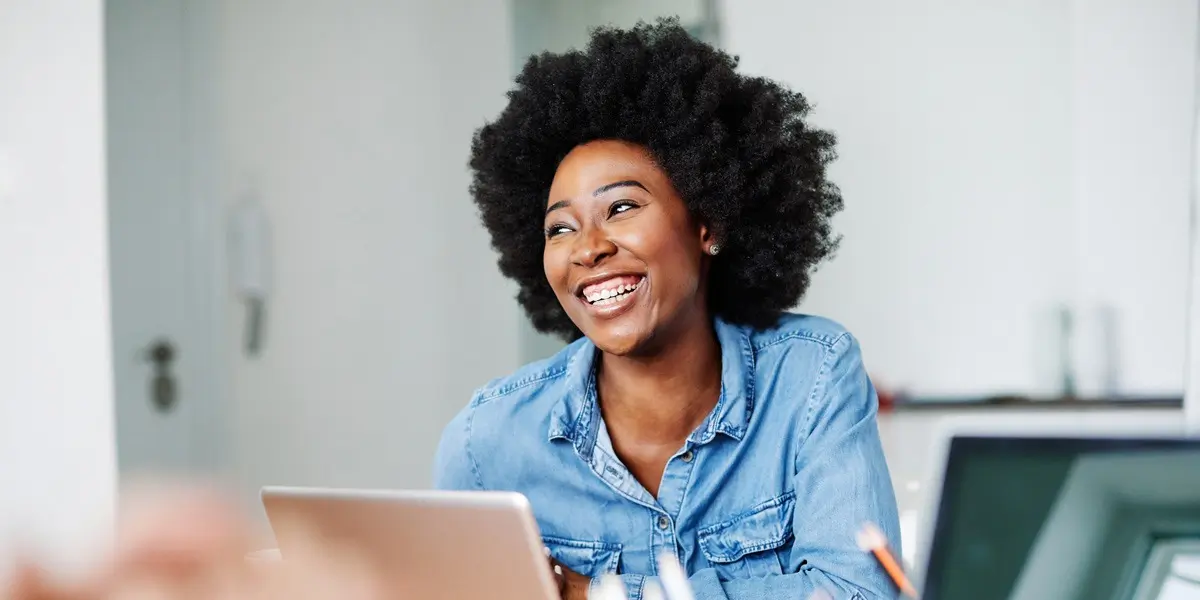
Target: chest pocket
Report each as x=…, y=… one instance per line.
x=586, y=558
x=752, y=543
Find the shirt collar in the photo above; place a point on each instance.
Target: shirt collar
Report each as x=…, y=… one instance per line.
x=575, y=417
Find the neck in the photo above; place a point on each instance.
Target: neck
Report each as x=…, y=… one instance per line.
x=665, y=395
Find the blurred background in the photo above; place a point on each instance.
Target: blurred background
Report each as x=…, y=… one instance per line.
x=236, y=237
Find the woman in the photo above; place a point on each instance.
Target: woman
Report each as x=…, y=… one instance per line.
x=650, y=199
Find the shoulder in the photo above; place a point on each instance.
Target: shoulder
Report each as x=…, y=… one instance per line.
x=528, y=381
x=808, y=359
x=799, y=331
x=505, y=411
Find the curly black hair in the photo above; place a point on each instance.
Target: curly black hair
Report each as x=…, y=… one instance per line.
x=736, y=148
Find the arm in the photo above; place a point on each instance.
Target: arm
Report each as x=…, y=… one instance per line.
x=454, y=467
x=841, y=482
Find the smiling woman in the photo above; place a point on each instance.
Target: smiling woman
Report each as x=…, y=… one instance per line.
x=664, y=211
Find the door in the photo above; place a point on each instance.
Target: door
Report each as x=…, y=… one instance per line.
x=161, y=252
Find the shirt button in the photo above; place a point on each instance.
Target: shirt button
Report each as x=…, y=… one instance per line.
x=663, y=522
x=687, y=456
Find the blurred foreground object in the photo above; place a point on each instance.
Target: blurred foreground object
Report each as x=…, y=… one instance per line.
x=189, y=542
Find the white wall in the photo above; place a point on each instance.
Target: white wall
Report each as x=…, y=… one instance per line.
x=558, y=25
x=1134, y=94
x=57, y=453
x=352, y=123
x=997, y=159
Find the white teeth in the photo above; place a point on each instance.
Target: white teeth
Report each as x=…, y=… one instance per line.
x=611, y=295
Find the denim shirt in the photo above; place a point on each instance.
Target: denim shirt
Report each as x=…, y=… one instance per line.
x=764, y=499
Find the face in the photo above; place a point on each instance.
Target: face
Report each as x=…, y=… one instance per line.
x=623, y=254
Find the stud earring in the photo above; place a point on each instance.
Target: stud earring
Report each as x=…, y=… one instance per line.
x=714, y=249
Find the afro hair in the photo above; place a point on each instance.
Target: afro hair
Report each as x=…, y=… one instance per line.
x=736, y=148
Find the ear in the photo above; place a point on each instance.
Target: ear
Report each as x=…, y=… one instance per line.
x=708, y=237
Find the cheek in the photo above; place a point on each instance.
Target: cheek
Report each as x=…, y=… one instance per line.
x=555, y=263
x=674, y=261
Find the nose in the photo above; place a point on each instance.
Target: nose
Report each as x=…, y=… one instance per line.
x=592, y=247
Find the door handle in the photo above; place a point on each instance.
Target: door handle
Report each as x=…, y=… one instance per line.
x=164, y=393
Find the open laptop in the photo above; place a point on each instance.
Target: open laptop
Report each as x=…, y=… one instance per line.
x=436, y=545
x=1056, y=518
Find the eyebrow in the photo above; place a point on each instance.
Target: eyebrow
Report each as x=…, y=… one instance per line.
x=558, y=205
x=614, y=185
x=600, y=190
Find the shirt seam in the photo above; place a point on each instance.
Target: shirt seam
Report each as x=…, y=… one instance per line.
x=471, y=455
x=687, y=487
x=641, y=587
x=823, y=340
x=486, y=395
x=818, y=387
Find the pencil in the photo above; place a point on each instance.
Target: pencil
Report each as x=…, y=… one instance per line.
x=872, y=540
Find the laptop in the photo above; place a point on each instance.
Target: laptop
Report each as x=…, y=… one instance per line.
x=1058, y=518
x=436, y=544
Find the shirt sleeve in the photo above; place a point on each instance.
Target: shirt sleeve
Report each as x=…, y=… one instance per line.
x=454, y=467
x=842, y=482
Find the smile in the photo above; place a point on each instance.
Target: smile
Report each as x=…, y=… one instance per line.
x=612, y=291
x=612, y=295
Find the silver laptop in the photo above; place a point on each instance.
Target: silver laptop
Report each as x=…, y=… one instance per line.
x=430, y=545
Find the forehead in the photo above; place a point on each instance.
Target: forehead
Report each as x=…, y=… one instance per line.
x=598, y=163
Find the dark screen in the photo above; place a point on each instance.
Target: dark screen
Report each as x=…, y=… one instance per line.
x=998, y=495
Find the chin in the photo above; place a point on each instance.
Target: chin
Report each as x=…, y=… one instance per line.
x=619, y=341
x=621, y=346
x=621, y=329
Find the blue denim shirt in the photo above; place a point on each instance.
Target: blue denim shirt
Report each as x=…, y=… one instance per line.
x=763, y=500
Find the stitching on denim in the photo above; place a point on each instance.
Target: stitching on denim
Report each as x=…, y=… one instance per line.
x=581, y=544
x=641, y=586
x=583, y=421
x=762, y=506
x=489, y=394
x=730, y=557
x=704, y=536
x=749, y=361
x=596, y=449
x=687, y=485
x=818, y=386
x=824, y=340
x=471, y=455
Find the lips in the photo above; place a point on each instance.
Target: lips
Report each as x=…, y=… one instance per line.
x=610, y=295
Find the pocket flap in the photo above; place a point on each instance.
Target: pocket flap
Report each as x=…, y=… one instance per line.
x=585, y=557
x=764, y=527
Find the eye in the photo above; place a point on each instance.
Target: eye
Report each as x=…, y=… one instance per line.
x=621, y=206
x=555, y=230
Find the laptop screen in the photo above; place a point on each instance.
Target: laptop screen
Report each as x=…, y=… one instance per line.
x=1067, y=519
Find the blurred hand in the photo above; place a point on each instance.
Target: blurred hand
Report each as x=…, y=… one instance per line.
x=571, y=585
x=189, y=544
